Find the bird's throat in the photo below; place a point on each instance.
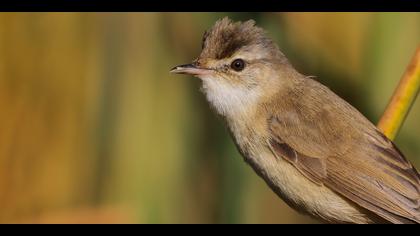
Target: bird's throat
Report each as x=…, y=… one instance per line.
x=230, y=101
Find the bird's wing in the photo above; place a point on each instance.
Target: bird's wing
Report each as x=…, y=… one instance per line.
x=335, y=146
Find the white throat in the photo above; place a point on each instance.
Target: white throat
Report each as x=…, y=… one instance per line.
x=228, y=100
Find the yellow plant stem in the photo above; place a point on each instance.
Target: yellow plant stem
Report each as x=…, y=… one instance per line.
x=402, y=99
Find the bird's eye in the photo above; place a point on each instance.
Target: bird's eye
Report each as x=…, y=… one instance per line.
x=238, y=64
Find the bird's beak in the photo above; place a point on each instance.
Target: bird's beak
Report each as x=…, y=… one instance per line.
x=190, y=69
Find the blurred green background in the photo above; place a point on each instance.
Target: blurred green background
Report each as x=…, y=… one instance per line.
x=94, y=129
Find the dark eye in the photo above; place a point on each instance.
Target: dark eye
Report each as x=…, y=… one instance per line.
x=238, y=64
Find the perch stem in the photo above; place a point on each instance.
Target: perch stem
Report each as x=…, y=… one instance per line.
x=402, y=99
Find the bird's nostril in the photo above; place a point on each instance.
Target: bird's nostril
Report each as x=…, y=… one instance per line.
x=197, y=62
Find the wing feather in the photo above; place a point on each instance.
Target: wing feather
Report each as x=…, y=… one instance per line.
x=334, y=145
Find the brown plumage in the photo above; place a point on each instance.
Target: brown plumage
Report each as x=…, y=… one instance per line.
x=315, y=150
x=334, y=145
x=226, y=37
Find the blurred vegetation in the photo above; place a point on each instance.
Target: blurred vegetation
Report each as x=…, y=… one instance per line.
x=94, y=129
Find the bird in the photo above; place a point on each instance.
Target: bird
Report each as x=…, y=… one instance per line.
x=312, y=148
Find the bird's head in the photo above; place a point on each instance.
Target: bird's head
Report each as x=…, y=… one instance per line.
x=238, y=62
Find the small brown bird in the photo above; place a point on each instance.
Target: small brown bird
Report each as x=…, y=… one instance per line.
x=316, y=151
